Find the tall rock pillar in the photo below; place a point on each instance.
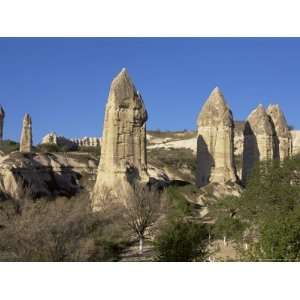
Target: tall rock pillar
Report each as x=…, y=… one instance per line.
x=283, y=137
x=2, y=116
x=26, y=136
x=215, y=158
x=258, y=140
x=123, y=150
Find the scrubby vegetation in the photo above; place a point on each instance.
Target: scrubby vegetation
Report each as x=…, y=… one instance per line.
x=182, y=162
x=174, y=135
x=264, y=222
x=9, y=146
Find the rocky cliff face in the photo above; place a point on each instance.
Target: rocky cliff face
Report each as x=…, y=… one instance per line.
x=215, y=162
x=123, y=153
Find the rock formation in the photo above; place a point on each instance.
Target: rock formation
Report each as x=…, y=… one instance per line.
x=283, y=137
x=295, y=141
x=45, y=174
x=54, y=139
x=258, y=140
x=26, y=136
x=215, y=161
x=2, y=116
x=87, y=142
x=123, y=154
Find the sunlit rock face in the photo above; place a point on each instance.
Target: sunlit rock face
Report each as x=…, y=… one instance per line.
x=283, y=137
x=215, y=160
x=26, y=136
x=123, y=150
x=259, y=140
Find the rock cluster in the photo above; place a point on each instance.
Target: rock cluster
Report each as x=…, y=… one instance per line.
x=215, y=160
x=123, y=154
x=2, y=116
x=26, y=136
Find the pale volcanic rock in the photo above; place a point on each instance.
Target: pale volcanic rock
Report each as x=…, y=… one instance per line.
x=259, y=138
x=123, y=149
x=26, y=136
x=296, y=141
x=215, y=160
x=283, y=140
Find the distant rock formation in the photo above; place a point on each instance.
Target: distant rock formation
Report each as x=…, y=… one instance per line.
x=123, y=154
x=2, y=116
x=258, y=140
x=87, y=142
x=54, y=139
x=215, y=161
x=283, y=137
x=26, y=136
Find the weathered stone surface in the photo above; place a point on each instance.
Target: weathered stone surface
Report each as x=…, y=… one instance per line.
x=215, y=161
x=123, y=153
x=258, y=140
x=39, y=175
x=26, y=136
x=296, y=141
x=283, y=137
x=2, y=116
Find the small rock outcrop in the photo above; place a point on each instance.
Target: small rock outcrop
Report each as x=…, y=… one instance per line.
x=123, y=154
x=26, y=136
x=2, y=116
x=215, y=160
x=258, y=140
x=283, y=137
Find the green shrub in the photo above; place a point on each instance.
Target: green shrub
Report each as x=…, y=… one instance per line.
x=181, y=241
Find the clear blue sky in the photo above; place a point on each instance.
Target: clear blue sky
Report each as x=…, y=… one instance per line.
x=64, y=82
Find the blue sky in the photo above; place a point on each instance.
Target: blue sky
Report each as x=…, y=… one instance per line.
x=64, y=82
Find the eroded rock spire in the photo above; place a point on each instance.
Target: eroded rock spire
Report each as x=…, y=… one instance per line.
x=283, y=138
x=26, y=136
x=215, y=160
x=258, y=140
x=123, y=150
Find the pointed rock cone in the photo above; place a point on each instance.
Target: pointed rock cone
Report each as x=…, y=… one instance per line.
x=258, y=140
x=2, y=116
x=283, y=137
x=123, y=149
x=26, y=136
x=215, y=158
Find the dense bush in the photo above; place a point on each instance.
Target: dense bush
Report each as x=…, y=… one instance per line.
x=180, y=240
x=264, y=221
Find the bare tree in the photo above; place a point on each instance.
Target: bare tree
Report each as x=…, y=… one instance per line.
x=141, y=210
